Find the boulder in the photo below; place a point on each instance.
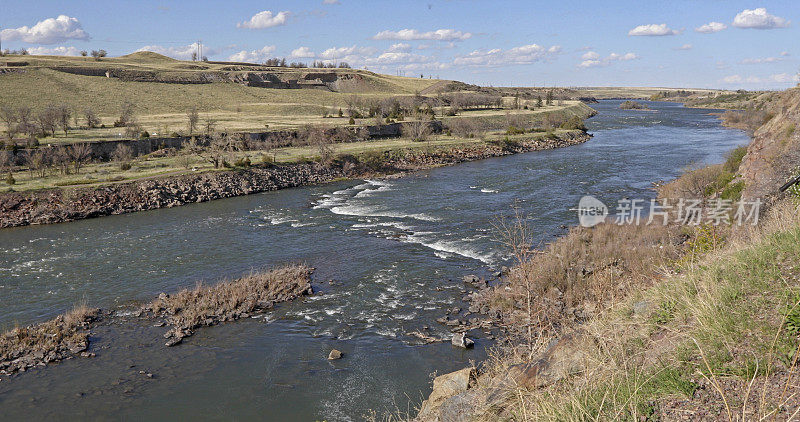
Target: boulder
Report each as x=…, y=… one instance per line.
x=461, y=340
x=444, y=387
x=334, y=354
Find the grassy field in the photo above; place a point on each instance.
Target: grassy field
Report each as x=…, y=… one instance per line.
x=161, y=107
x=161, y=163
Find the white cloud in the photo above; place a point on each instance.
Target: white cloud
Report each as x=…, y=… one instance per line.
x=684, y=47
x=265, y=19
x=398, y=57
x=762, y=60
x=525, y=54
x=348, y=54
x=302, y=52
x=711, y=27
x=48, y=31
x=331, y=2
x=253, y=56
x=653, y=30
x=784, y=54
x=400, y=47
x=779, y=78
x=592, y=59
x=56, y=51
x=180, y=52
x=590, y=55
x=758, y=19
x=413, y=34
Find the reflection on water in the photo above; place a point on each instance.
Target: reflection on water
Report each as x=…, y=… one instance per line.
x=389, y=255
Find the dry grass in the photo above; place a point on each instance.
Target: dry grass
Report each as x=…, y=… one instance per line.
x=50, y=341
x=190, y=309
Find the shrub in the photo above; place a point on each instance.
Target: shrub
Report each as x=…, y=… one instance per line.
x=175, y=135
x=574, y=123
x=125, y=166
x=145, y=134
x=513, y=130
x=10, y=179
x=733, y=191
x=242, y=162
x=352, y=121
x=734, y=159
x=267, y=159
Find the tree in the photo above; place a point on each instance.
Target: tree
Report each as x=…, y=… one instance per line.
x=63, y=113
x=193, y=119
x=96, y=54
x=550, y=97
x=210, y=125
x=79, y=153
x=25, y=124
x=538, y=101
x=194, y=56
x=92, y=121
x=61, y=159
x=127, y=114
x=9, y=117
x=123, y=155
x=418, y=129
x=84, y=53
x=48, y=120
x=38, y=161
x=318, y=138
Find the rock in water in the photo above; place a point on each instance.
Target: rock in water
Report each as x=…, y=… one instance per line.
x=334, y=354
x=461, y=340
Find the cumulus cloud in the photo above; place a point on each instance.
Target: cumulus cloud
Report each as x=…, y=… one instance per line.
x=413, y=34
x=348, y=54
x=653, y=30
x=758, y=19
x=525, y=54
x=55, y=51
x=400, y=47
x=253, y=56
x=302, y=52
x=265, y=19
x=48, y=31
x=684, y=47
x=711, y=27
x=592, y=59
x=590, y=55
x=180, y=52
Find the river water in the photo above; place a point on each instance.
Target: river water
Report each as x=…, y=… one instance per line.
x=389, y=258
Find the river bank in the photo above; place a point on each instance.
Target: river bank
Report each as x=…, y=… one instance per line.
x=63, y=205
x=636, y=322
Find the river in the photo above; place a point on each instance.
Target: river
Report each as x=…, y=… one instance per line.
x=389, y=257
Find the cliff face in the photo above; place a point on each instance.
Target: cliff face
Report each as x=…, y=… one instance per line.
x=774, y=154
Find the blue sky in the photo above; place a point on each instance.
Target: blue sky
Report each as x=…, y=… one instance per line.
x=720, y=44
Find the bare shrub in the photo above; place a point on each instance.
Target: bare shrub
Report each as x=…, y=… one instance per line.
x=51, y=341
x=693, y=184
x=38, y=161
x=127, y=115
x=190, y=309
x=62, y=116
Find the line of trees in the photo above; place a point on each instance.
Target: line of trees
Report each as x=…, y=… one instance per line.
x=318, y=64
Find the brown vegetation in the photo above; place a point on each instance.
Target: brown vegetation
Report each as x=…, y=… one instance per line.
x=51, y=341
x=190, y=309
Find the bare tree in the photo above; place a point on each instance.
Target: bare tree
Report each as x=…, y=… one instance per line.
x=61, y=158
x=418, y=129
x=210, y=126
x=38, y=161
x=9, y=117
x=79, y=153
x=63, y=114
x=123, y=155
x=318, y=138
x=48, y=120
x=193, y=119
x=92, y=121
x=127, y=115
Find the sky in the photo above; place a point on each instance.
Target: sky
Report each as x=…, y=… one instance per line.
x=694, y=44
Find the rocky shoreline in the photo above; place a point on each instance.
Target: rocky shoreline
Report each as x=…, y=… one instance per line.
x=63, y=205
